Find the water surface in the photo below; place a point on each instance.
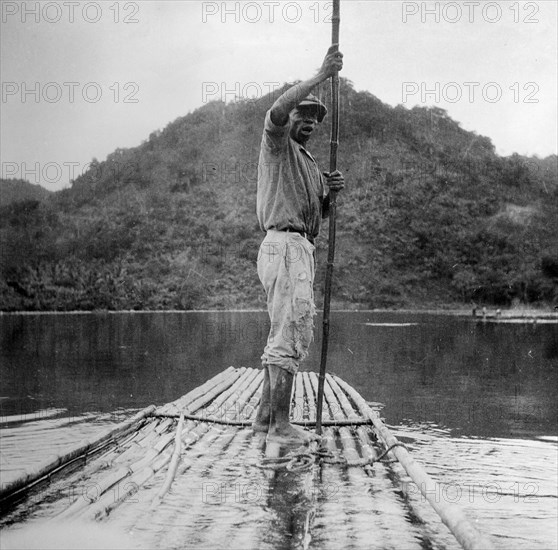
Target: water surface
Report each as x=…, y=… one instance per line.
x=475, y=402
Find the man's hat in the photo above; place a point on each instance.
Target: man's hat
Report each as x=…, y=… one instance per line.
x=312, y=101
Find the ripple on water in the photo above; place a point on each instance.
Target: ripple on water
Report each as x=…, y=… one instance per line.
x=43, y=436
x=508, y=486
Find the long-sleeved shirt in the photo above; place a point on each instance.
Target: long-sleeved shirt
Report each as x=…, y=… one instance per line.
x=290, y=185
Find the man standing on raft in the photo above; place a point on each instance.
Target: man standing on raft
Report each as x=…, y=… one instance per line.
x=290, y=205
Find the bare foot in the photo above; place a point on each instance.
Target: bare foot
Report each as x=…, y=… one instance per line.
x=289, y=434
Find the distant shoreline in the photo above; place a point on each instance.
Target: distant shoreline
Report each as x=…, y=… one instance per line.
x=491, y=314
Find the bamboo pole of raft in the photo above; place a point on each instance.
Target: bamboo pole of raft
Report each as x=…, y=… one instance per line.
x=134, y=477
x=195, y=397
x=105, y=458
x=173, y=463
x=197, y=433
x=368, y=452
x=144, y=438
x=335, y=19
x=253, y=388
x=251, y=383
x=50, y=467
x=138, y=441
x=203, y=399
x=310, y=398
x=308, y=406
x=220, y=406
x=315, y=381
x=191, y=396
x=341, y=414
x=362, y=514
x=195, y=510
x=225, y=379
x=330, y=436
x=256, y=397
x=353, y=458
x=452, y=516
x=310, y=477
x=137, y=474
x=301, y=408
x=297, y=412
x=220, y=400
x=329, y=475
x=357, y=476
x=203, y=433
x=232, y=404
x=96, y=504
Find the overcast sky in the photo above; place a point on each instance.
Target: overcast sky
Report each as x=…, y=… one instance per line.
x=80, y=79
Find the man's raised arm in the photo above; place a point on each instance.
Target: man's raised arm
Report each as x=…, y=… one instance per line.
x=280, y=110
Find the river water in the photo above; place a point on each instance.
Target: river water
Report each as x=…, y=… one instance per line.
x=474, y=401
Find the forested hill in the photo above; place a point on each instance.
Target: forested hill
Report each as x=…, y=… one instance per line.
x=430, y=216
x=17, y=190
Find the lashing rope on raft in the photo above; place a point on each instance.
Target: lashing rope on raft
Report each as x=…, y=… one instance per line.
x=302, y=461
x=248, y=423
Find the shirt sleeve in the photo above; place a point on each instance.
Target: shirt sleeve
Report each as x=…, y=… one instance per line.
x=274, y=137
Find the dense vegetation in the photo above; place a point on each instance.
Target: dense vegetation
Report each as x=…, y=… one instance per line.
x=17, y=190
x=431, y=216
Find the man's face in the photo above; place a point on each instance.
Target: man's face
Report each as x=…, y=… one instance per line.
x=303, y=123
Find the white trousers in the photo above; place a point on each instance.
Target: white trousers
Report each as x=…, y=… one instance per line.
x=286, y=270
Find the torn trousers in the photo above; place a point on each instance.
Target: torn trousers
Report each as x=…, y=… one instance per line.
x=286, y=270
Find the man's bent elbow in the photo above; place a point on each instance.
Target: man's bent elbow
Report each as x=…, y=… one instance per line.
x=279, y=116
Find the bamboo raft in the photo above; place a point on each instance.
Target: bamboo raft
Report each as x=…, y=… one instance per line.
x=192, y=474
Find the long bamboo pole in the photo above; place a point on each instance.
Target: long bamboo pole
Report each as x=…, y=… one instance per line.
x=335, y=20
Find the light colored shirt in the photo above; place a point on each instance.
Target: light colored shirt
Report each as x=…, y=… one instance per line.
x=290, y=185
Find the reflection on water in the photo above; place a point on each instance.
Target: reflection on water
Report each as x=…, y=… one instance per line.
x=477, y=378
x=476, y=402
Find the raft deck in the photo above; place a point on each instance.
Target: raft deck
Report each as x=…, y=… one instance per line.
x=192, y=474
